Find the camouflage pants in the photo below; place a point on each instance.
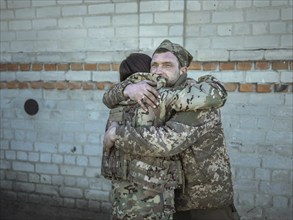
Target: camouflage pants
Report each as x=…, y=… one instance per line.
x=130, y=201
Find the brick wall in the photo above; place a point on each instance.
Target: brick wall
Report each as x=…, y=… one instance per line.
x=65, y=54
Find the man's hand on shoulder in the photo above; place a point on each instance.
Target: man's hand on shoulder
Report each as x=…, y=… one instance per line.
x=143, y=93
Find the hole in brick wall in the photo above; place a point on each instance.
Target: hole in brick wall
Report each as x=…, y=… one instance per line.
x=31, y=107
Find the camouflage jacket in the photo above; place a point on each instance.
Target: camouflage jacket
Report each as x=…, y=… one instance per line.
x=205, y=161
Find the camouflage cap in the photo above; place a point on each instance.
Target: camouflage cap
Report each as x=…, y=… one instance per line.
x=183, y=56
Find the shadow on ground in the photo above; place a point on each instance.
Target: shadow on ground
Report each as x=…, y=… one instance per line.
x=14, y=210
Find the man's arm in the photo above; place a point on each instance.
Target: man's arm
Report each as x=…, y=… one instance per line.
x=128, y=90
x=168, y=140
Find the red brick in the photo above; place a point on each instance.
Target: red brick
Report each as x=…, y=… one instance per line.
x=100, y=85
x=291, y=65
x=3, y=67
x=231, y=87
x=262, y=65
x=3, y=85
x=104, y=67
x=61, y=85
x=263, y=88
x=88, y=86
x=209, y=66
x=36, y=85
x=227, y=66
x=48, y=85
x=23, y=85
x=12, y=67
x=90, y=66
x=74, y=85
x=37, y=67
x=195, y=66
x=25, y=67
x=115, y=66
x=244, y=66
x=280, y=65
x=12, y=85
x=76, y=66
x=63, y=66
x=50, y=67
x=246, y=88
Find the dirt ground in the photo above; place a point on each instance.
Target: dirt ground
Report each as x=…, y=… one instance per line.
x=14, y=210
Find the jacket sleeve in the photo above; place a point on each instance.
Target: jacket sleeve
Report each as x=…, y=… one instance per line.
x=114, y=95
x=168, y=140
x=207, y=93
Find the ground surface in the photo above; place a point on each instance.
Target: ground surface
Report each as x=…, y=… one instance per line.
x=13, y=210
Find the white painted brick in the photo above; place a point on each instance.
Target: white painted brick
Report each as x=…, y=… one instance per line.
x=194, y=5
x=210, y=5
x=21, y=145
x=286, y=13
x=275, y=161
x=5, y=164
x=169, y=17
x=38, y=3
x=53, y=76
x=69, y=159
x=20, y=25
x=278, y=27
x=10, y=155
x=149, y=6
x=23, y=166
x=25, y=13
x=280, y=3
x=261, y=3
x=260, y=14
x=246, y=55
x=22, y=46
x=146, y=18
x=225, y=30
x=82, y=161
x=276, y=54
x=7, y=36
x=267, y=99
x=91, y=150
x=97, y=21
x=32, y=156
x=242, y=29
x=288, y=100
x=233, y=76
x=261, y=41
x=28, y=76
x=69, y=2
x=7, y=76
x=287, y=41
x=25, y=187
x=286, y=77
x=71, y=170
x=69, y=181
x=74, y=10
x=47, y=168
x=227, y=42
x=127, y=31
x=18, y=4
x=193, y=31
x=70, y=22
x=153, y=31
x=224, y=5
x=101, y=33
x=177, y=5
x=78, y=75
x=44, y=23
x=26, y=35
x=260, y=28
x=22, y=155
x=125, y=20
x=128, y=7
x=71, y=192
x=227, y=17
x=56, y=158
x=7, y=15
x=213, y=55
x=3, y=4
x=262, y=77
x=208, y=30
x=48, y=12
x=47, y=189
x=176, y=30
x=198, y=18
x=3, y=26
x=101, y=9
x=46, y=147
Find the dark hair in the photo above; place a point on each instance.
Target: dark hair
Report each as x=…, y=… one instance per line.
x=135, y=62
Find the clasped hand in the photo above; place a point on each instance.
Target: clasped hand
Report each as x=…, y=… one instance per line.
x=110, y=138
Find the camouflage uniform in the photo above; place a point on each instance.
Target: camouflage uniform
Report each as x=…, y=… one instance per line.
x=143, y=186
